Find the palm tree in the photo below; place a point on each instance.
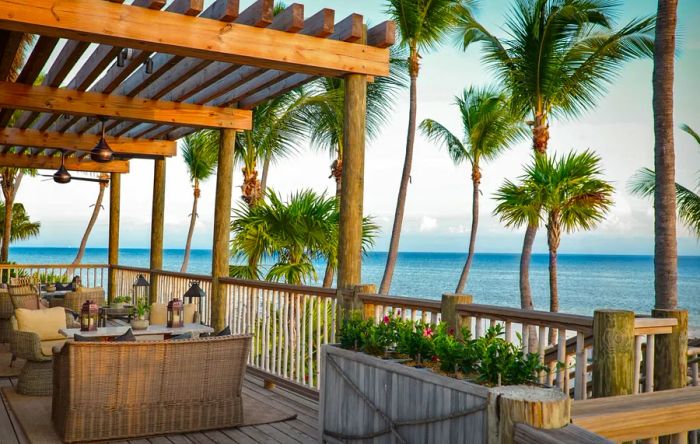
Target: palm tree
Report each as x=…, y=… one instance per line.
x=277, y=125
x=423, y=25
x=665, y=242
x=688, y=201
x=489, y=129
x=93, y=219
x=200, y=151
x=294, y=233
x=570, y=195
x=22, y=228
x=556, y=61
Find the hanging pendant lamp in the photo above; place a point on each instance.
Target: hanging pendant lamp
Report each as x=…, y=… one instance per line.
x=102, y=153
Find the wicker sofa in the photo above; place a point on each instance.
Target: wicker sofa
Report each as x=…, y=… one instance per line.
x=6, y=312
x=74, y=300
x=117, y=390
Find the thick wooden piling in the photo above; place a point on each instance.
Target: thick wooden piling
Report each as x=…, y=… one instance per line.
x=157, y=225
x=113, y=254
x=448, y=308
x=613, y=353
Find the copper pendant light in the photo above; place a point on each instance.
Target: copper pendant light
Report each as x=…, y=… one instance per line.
x=62, y=176
x=102, y=153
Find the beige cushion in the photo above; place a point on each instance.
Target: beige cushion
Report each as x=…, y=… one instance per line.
x=159, y=314
x=47, y=346
x=190, y=310
x=44, y=323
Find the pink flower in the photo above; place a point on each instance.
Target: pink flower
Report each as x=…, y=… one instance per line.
x=398, y=312
x=452, y=331
x=386, y=319
x=428, y=332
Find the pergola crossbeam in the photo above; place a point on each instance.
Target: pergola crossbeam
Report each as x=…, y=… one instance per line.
x=85, y=142
x=159, y=31
x=12, y=160
x=65, y=101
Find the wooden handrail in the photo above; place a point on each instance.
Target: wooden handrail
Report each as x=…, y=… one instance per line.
x=394, y=301
x=304, y=289
x=583, y=324
x=196, y=277
x=19, y=266
x=653, y=326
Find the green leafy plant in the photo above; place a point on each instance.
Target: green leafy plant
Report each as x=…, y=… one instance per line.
x=502, y=362
x=379, y=337
x=353, y=330
x=415, y=340
x=121, y=299
x=142, y=307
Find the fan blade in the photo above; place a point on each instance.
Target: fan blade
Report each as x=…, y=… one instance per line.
x=45, y=175
x=88, y=179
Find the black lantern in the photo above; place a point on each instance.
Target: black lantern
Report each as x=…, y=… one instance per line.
x=176, y=315
x=195, y=291
x=141, y=289
x=89, y=316
x=102, y=153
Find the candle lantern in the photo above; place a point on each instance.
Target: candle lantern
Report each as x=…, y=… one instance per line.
x=176, y=315
x=195, y=291
x=89, y=313
x=141, y=289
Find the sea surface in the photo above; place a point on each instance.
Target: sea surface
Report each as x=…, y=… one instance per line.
x=586, y=282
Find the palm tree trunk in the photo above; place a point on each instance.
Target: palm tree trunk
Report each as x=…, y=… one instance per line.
x=525, y=290
x=405, y=179
x=665, y=243
x=8, y=191
x=328, y=276
x=91, y=224
x=472, y=237
x=265, y=172
x=553, y=239
x=190, y=232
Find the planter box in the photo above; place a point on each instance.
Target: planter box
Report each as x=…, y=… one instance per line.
x=403, y=394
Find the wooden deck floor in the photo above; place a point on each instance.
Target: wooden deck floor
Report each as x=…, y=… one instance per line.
x=303, y=429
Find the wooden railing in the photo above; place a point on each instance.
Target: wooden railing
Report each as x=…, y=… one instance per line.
x=377, y=306
x=91, y=275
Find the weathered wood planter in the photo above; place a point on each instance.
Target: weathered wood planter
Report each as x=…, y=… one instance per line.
x=383, y=401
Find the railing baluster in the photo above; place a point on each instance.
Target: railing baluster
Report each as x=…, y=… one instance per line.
x=650, y=364
x=509, y=331
x=637, y=363
x=526, y=338
x=561, y=357
x=477, y=328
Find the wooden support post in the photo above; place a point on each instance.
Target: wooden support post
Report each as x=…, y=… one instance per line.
x=113, y=255
x=222, y=228
x=352, y=185
x=157, y=221
x=613, y=353
x=537, y=407
x=671, y=360
x=448, y=309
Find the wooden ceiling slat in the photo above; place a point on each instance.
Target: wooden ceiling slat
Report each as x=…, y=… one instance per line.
x=65, y=101
x=166, y=32
x=383, y=35
x=53, y=162
x=224, y=10
x=85, y=142
x=187, y=68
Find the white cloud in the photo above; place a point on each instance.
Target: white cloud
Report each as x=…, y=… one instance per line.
x=428, y=224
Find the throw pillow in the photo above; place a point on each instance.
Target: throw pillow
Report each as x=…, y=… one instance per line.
x=81, y=338
x=128, y=336
x=187, y=335
x=45, y=323
x=225, y=332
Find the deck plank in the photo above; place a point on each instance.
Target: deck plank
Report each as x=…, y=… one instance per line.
x=7, y=429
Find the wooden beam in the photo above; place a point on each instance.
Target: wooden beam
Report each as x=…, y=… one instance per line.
x=145, y=29
x=9, y=42
x=157, y=224
x=113, y=252
x=65, y=101
x=352, y=189
x=85, y=142
x=171, y=71
x=222, y=228
x=383, y=35
x=53, y=162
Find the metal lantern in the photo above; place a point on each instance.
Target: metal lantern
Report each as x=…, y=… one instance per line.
x=89, y=314
x=195, y=291
x=141, y=289
x=176, y=314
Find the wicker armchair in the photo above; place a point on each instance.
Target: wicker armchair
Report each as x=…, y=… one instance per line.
x=179, y=387
x=6, y=312
x=35, y=379
x=75, y=299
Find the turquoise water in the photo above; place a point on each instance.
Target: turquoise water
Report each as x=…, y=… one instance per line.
x=586, y=282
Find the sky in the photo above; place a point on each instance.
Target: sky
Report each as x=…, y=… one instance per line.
x=619, y=129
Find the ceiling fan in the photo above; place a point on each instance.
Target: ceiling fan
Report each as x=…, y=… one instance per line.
x=62, y=175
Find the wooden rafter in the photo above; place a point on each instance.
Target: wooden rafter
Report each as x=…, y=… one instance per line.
x=145, y=29
x=53, y=162
x=65, y=101
x=85, y=142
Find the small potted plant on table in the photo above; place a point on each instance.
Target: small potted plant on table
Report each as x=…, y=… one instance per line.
x=141, y=309
x=120, y=301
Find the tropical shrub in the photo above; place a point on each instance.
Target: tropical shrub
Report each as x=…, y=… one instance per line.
x=415, y=340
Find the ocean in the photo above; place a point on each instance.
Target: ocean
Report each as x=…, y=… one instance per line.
x=586, y=281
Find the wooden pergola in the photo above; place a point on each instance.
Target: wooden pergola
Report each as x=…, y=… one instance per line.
x=158, y=71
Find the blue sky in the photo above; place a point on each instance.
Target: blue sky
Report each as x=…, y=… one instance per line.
x=620, y=129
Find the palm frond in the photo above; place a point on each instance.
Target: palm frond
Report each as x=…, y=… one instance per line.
x=691, y=132
x=200, y=152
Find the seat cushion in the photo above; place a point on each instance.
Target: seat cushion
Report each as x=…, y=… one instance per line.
x=47, y=346
x=44, y=323
x=189, y=311
x=159, y=314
